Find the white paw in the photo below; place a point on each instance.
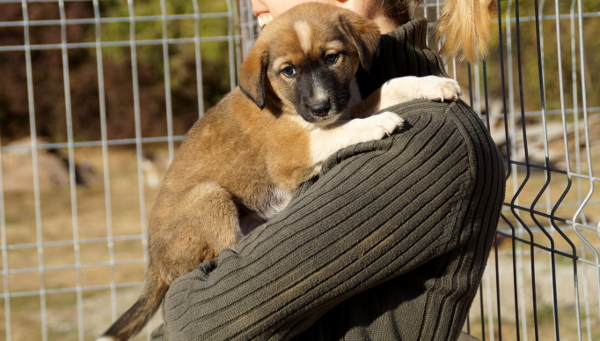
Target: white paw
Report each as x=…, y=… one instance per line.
x=379, y=126
x=403, y=89
x=438, y=88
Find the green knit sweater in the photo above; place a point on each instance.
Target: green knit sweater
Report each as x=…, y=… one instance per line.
x=388, y=242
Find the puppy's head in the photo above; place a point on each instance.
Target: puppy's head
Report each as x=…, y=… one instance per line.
x=306, y=60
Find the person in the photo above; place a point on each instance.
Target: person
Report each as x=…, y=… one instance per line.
x=388, y=242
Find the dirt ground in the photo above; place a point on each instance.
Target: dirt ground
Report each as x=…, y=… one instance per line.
x=54, y=225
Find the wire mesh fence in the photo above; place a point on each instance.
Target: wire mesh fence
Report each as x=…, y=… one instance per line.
x=73, y=238
x=535, y=94
x=96, y=95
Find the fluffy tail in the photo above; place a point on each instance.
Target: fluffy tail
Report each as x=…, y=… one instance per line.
x=465, y=27
x=134, y=319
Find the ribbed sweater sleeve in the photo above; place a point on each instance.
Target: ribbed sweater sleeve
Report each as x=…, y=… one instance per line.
x=388, y=242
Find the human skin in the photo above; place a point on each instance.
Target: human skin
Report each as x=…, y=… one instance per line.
x=265, y=10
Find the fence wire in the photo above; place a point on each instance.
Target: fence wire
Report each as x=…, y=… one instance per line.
x=73, y=239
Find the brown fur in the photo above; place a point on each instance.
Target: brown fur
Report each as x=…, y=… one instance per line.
x=244, y=159
x=232, y=162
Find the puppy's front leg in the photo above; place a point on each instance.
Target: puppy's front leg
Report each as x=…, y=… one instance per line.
x=325, y=141
x=404, y=89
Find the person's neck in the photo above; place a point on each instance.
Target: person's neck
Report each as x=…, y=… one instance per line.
x=366, y=10
x=386, y=24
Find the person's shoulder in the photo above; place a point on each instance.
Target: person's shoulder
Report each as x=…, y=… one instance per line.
x=426, y=108
x=432, y=116
x=456, y=118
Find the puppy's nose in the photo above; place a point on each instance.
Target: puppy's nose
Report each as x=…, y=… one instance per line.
x=321, y=107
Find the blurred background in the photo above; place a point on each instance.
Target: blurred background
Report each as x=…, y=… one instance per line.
x=95, y=97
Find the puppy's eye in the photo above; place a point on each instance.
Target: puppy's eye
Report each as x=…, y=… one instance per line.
x=289, y=71
x=331, y=58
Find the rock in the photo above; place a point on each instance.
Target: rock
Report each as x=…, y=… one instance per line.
x=53, y=168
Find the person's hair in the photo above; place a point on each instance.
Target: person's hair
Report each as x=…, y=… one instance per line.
x=464, y=26
x=398, y=10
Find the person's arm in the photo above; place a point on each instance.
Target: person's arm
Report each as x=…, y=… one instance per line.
x=379, y=210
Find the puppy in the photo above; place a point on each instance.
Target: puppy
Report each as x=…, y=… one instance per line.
x=244, y=159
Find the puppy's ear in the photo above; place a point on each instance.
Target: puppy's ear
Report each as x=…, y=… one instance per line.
x=364, y=34
x=253, y=75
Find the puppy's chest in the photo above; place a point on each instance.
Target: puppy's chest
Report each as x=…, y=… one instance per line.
x=269, y=201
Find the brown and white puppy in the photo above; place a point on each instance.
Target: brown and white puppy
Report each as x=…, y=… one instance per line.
x=245, y=158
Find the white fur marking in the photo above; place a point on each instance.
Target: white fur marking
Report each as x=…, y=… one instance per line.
x=279, y=200
x=325, y=142
x=304, y=32
x=404, y=89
